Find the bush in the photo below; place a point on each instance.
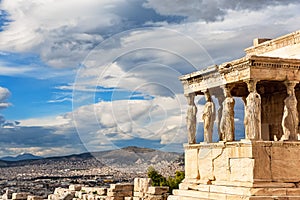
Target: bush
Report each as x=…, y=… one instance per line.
x=159, y=180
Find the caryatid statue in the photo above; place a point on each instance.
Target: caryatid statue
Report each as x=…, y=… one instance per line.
x=209, y=116
x=252, y=119
x=227, y=119
x=290, y=118
x=220, y=111
x=191, y=119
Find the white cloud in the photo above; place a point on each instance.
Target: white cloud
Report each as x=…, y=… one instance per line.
x=123, y=120
x=105, y=125
x=214, y=43
x=13, y=71
x=209, y=10
x=4, y=95
x=64, y=32
x=40, y=151
x=44, y=122
x=4, y=105
x=143, y=61
x=56, y=29
x=225, y=40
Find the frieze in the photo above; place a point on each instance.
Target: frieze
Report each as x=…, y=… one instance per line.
x=275, y=65
x=240, y=66
x=202, y=78
x=235, y=71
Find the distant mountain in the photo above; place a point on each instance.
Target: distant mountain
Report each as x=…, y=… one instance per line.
x=133, y=155
x=125, y=158
x=24, y=156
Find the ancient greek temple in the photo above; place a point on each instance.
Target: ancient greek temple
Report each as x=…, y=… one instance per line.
x=266, y=163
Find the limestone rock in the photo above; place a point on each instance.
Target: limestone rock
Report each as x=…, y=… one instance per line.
x=158, y=190
x=32, y=197
x=142, y=184
x=53, y=197
x=121, y=187
x=20, y=195
x=7, y=195
x=75, y=187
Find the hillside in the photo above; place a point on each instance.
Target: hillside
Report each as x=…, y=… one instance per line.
x=128, y=157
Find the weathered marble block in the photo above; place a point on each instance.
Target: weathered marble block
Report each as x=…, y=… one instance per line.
x=158, y=190
x=32, y=197
x=191, y=162
x=20, y=195
x=246, y=161
x=243, y=170
x=75, y=187
x=121, y=187
x=142, y=184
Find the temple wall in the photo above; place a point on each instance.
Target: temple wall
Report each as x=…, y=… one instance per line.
x=272, y=106
x=260, y=170
x=240, y=164
x=271, y=115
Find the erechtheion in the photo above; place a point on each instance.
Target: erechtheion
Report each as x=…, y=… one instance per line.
x=266, y=163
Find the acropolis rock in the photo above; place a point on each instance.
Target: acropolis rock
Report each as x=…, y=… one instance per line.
x=265, y=164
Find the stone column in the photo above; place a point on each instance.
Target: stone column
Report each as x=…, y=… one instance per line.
x=227, y=119
x=209, y=116
x=191, y=119
x=252, y=119
x=220, y=110
x=290, y=118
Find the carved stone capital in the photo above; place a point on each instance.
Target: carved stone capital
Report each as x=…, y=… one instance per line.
x=190, y=98
x=227, y=90
x=251, y=84
x=290, y=85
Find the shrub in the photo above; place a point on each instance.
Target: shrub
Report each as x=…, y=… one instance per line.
x=159, y=180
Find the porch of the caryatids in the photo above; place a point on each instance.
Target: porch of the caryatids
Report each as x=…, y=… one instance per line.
x=252, y=119
x=191, y=119
x=227, y=118
x=208, y=117
x=290, y=118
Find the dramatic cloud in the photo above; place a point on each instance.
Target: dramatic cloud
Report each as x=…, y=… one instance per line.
x=55, y=28
x=156, y=123
x=209, y=10
x=146, y=61
x=123, y=120
x=63, y=32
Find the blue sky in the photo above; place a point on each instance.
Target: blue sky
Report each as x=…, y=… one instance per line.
x=93, y=75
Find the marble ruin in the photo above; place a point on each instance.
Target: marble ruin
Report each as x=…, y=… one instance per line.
x=265, y=165
x=141, y=189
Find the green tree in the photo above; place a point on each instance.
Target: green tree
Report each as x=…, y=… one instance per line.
x=159, y=180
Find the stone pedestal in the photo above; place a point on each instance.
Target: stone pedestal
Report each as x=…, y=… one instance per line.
x=259, y=170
